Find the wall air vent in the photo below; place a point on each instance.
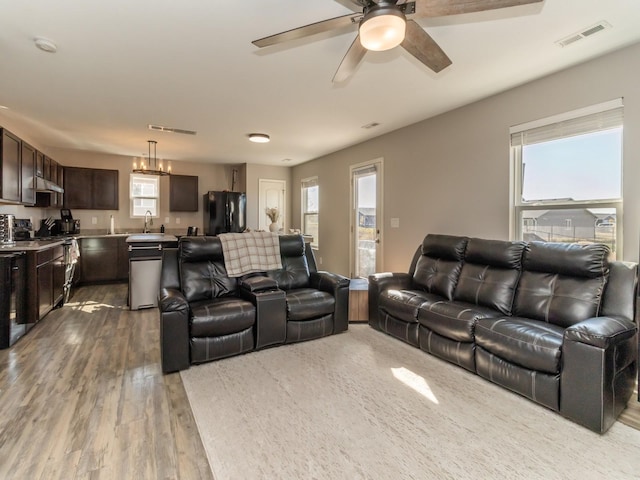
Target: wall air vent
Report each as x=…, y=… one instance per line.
x=160, y=128
x=584, y=33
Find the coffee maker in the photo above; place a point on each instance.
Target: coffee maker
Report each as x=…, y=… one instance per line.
x=67, y=225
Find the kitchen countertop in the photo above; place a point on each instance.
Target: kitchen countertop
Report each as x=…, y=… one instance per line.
x=151, y=237
x=34, y=245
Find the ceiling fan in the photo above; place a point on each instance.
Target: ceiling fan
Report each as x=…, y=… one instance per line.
x=383, y=24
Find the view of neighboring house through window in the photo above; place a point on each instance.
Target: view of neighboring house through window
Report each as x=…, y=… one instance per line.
x=567, y=177
x=144, y=192
x=310, y=208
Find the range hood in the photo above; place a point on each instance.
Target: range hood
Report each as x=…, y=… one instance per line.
x=42, y=185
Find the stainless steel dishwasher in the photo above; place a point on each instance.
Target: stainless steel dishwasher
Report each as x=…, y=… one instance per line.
x=145, y=264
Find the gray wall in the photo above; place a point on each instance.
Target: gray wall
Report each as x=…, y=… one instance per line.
x=450, y=174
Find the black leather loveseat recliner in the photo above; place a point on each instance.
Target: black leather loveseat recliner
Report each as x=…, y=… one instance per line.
x=206, y=315
x=554, y=322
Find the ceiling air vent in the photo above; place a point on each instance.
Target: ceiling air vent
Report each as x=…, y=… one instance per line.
x=587, y=32
x=160, y=128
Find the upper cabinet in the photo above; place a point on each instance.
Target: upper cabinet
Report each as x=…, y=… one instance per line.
x=28, y=192
x=90, y=188
x=10, y=184
x=20, y=164
x=183, y=193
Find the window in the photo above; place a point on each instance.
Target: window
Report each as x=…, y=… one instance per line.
x=310, y=208
x=144, y=192
x=567, y=177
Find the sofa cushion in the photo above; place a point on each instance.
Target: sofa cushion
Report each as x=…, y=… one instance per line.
x=487, y=286
x=206, y=280
x=221, y=316
x=558, y=299
x=438, y=267
x=529, y=343
x=404, y=304
x=309, y=303
x=293, y=274
x=490, y=274
x=453, y=320
x=570, y=259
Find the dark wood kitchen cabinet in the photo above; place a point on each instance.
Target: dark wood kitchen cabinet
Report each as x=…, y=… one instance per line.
x=90, y=188
x=28, y=192
x=10, y=183
x=45, y=281
x=183, y=193
x=104, y=259
x=46, y=172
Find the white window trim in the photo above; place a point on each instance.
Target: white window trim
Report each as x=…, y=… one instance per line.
x=131, y=196
x=517, y=205
x=304, y=183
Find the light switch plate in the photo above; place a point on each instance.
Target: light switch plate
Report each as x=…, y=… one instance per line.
x=395, y=223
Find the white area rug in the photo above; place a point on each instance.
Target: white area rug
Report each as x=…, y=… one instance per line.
x=362, y=405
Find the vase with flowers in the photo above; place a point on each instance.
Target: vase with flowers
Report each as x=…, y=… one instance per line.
x=273, y=215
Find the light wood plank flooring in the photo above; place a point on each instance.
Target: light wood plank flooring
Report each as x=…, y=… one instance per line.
x=82, y=396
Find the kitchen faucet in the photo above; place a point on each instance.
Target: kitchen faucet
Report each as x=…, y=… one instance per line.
x=148, y=221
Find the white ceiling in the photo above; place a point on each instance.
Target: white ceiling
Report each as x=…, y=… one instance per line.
x=190, y=64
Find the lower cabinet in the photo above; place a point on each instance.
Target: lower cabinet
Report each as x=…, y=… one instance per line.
x=45, y=274
x=104, y=259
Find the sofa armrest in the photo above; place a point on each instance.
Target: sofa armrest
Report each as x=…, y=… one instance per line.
x=599, y=368
x=174, y=330
x=338, y=286
x=601, y=332
x=172, y=300
x=258, y=284
x=378, y=283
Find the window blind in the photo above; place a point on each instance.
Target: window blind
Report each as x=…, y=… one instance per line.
x=583, y=125
x=310, y=182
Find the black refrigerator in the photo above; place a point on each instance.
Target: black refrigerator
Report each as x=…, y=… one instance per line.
x=224, y=212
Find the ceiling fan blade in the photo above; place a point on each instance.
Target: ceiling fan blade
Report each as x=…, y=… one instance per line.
x=420, y=44
x=351, y=60
x=307, y=30
x=440, y=8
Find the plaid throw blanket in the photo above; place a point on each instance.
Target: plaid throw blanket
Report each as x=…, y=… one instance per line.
x=250, y=252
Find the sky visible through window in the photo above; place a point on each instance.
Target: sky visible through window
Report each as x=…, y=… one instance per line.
x=581, y=167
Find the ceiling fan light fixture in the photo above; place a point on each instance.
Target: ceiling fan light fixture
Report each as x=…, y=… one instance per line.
x=382, y=28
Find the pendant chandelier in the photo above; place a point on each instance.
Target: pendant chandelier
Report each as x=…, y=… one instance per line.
x=154, y=167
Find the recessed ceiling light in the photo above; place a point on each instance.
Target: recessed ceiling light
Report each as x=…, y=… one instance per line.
x=259, y=137
x=45, y=45
x=370, y=125
x=286, y=159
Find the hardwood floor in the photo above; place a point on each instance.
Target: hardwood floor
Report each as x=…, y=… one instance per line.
x=82, y=396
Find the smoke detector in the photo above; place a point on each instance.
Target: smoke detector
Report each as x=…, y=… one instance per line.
x=45, y=45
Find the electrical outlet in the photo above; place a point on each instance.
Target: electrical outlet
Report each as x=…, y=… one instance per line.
x=319, y=260
x=94, y=220
x=166, y=219
x=177, y=220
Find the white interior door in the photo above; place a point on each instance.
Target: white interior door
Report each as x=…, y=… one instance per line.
x=366, y=219
x=272, y=194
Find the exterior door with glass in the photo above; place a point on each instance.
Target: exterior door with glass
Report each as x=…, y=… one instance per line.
x=366, y=219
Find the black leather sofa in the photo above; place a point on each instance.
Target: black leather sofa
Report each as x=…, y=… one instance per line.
x=206, y=315
x=554, y=322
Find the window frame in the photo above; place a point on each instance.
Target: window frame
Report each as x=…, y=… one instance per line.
x=518, y=205
x=305, y=184
x=132, y=197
